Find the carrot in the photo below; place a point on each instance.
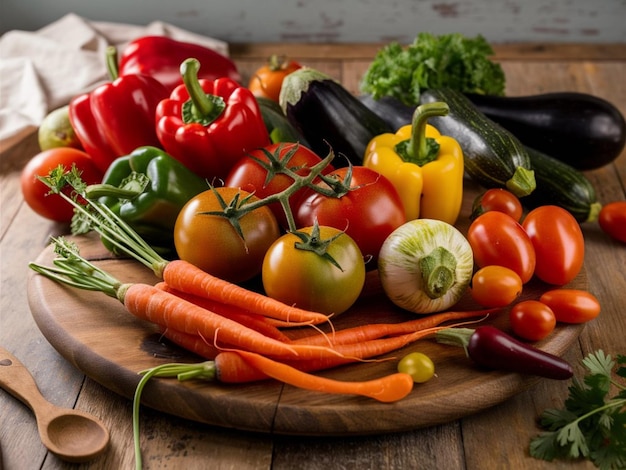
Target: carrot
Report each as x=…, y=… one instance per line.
x=386, y=389
x=157, y=306
x=190, y=279
x=372, y=331
x=194, y=343
x=251, y=320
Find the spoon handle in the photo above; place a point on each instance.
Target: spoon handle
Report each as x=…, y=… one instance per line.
x=17, y=380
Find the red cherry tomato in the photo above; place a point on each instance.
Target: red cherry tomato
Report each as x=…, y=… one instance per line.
x=532, y=320
x=572, y=305
x=495, y=286
x=368, y=212
x=558, y=241
x=612, y=220
x=250, y=174
x=35, y=192
x=497, y=238
x=497, y=199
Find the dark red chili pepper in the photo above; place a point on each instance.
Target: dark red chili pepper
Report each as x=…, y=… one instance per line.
x=490, y=347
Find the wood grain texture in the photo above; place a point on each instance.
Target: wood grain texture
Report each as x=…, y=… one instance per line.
x=495, y=438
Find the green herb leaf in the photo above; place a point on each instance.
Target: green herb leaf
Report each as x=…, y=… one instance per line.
x=592, y=425
x=446, y=61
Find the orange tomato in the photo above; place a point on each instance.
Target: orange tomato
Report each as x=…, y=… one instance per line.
x=267, y=81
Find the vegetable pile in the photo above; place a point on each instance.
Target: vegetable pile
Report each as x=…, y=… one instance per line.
x=297, y=185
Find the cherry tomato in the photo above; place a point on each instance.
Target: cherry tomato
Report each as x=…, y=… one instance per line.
x=572, y=305
x=532, y=320
x=558, y=242
x=268, y=79
x=612, y=220
x=495, y=286
x=35, y=192
x=497, y=199
x=212, y=243
x=309, y=280
x=251, y=176
x=418, y=365
x=497, y=238
x=368, y=212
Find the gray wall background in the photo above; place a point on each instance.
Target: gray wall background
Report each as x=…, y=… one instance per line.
x=345, y=21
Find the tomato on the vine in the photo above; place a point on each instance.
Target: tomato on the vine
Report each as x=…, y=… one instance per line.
x=532, y=320
x=497, y=199
x=212, y=243
x=558, y=241
x=495, y=286
x=571, y=305
x=310, y=280
x=418, y=365
x=497, y=238
x=267, y=80
x=368, y=211
x=35, y=192
x=612, y=220
x=263, y=173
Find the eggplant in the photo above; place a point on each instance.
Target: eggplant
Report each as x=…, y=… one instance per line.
x=329, y=116
x=580, y=129
x=393, y=111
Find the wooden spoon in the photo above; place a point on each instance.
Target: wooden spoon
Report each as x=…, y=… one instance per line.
x=72, y=435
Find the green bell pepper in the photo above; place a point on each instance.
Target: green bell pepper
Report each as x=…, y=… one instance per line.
x=147, y=189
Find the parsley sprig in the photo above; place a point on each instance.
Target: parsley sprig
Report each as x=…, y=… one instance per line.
x=592, y=423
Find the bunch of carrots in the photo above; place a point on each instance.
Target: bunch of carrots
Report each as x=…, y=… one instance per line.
x=239, y=330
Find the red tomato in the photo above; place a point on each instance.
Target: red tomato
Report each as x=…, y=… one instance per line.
x=497, y=238
x=368, y=212
x=558, y=241
x=497, y=199
x=265, y=175
x=212, y=243
x=572, y=305
x=35, y=192
x=495, y=286
x=532, y=320
x=612, y=220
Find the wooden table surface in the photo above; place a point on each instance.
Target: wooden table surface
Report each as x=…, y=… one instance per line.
x=493, y=439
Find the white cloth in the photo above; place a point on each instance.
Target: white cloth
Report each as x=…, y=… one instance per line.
x=42, y=70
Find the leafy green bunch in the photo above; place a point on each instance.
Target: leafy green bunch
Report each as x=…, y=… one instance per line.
x=592, y=424
x=446, y=61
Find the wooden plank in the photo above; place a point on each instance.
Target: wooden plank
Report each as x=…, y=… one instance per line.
x=364, y=51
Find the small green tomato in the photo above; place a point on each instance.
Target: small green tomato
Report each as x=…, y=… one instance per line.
x=417, y=365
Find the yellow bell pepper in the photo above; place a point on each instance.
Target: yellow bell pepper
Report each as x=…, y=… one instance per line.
x=425, y=167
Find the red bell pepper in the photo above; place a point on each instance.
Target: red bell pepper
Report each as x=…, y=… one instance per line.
x=117, y=117
x=209, y=125
x=160, y=57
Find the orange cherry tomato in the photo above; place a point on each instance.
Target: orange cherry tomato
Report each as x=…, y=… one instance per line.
x=572, y=305
x=495, y=286
x=532, y=320
x=559, y=244
x=497, y=199
x=612, y=220
x=267, y=81
x=497, y=238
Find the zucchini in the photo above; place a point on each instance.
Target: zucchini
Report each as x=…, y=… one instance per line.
x=579, y=129
x=393, y=111
x=329, y=116
x=562, y=185
x=276, y=123
x=493, y=156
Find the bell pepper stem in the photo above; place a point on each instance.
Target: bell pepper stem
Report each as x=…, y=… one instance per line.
x=419, y=150
x=201, y=107
x=111, y=63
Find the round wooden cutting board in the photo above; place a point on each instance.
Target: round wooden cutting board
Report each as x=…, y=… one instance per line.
x=98, y=336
